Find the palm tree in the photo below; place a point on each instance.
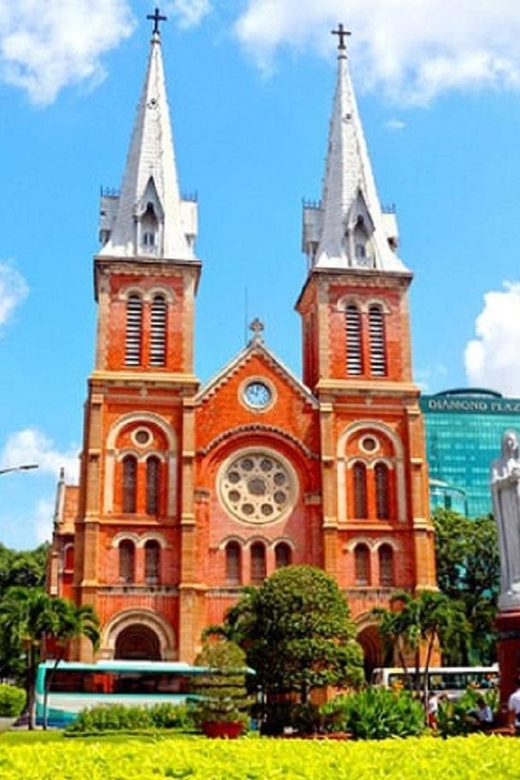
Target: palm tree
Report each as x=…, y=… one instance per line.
x=33, y=619
x=416, y=625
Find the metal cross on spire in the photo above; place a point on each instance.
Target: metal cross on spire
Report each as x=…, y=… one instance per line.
x=342, y=34
x=257, y=326
x=156, y=18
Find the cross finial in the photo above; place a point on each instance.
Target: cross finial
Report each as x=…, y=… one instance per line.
x=342, y=34
x=156, y=18
x=257, y=326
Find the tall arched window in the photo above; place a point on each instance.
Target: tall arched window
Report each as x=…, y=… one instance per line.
x=158, y=331
x=359, y=478
x=258, y=566
x=152, y=562
x=386, y=566
x=382, y=480
x=376, y=332
x=126, y=561
x=362, y=565
x=153, y=481
x=134, y=326
x=129, y=484
x=283, y=555
x=233, y=564
x=68, y=558
x=354, y=350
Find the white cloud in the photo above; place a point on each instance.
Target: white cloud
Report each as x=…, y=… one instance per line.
x=45, y=46
x=13, y=290
x=189, y=12
x=493, y=358
x=424, y=377
x=32, y=446
x=411, y=49
x=43, y=515
x=395, y=124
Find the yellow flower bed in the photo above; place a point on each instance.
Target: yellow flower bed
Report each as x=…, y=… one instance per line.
x=474, y=758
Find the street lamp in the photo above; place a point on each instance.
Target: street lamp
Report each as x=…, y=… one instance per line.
x=23, y=467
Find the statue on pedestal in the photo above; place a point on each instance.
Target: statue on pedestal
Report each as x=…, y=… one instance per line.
x=505, y=489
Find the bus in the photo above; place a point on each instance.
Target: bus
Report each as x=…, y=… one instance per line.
x=75, y=686
x=451, y=681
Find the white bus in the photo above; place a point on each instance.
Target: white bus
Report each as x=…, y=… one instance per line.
x=452, y=681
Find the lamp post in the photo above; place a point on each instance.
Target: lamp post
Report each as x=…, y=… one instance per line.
x=23, y=467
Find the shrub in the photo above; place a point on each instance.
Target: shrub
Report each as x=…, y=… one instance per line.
x=118, y=717
x=222, y=689
x=12, y=701
x=454, y=717
x=375, y=713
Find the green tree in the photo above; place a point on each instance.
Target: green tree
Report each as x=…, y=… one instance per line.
x=297, y=633
x=25, y=568
x=468, y=571
x=415, y=625
x=31, y=622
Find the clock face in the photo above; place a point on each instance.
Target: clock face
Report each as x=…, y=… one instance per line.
x=257, y=394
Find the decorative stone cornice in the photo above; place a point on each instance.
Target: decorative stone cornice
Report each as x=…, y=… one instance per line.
x=255, y=428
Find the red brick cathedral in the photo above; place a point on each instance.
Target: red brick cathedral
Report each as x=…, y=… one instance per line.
x=189, y=492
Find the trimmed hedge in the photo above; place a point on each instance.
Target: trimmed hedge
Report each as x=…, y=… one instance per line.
x=12, y=701
x=117, y=717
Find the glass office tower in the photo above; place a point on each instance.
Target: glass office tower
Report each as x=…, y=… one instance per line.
x=463, y=435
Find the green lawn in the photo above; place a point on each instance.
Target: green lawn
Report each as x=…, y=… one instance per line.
x=51, y=757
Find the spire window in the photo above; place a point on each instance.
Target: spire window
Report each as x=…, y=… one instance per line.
x=158, y=331
x=134, y=324
x=381, y=474
x=233, y=564
x=127, y=561
x=258, y=565
x=153, y=475
x=362, y=565
x=359, y=474
x=129, y=484
x=376, y=331
x=149, y=229
x=386, y=566
x=354, y=351
x=283, y=555
x=152, y=562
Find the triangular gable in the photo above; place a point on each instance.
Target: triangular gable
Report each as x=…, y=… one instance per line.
x=257, y=349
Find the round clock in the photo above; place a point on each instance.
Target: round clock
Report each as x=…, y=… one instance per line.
x=257, y=395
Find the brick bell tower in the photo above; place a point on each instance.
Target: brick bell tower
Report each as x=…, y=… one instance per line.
x=357, y=361
x=135, y=518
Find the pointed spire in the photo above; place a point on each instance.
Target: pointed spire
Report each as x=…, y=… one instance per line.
x=149, y=217
x=348, y=229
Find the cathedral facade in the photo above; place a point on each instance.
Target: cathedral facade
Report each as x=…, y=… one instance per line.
x=189, y=492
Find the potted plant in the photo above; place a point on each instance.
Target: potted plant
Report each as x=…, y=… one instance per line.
x=12, y=703
x=223, y=704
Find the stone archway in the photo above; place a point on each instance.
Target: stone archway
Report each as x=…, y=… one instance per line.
x=138, y=643
x=373, y=651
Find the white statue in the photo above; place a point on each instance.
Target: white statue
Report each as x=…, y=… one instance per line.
x=505, y=489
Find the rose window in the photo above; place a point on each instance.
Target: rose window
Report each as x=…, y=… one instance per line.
x=257, y=487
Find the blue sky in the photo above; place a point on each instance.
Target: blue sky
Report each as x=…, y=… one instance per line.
x=250, y=86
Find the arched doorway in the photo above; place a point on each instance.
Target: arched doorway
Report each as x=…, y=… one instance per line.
x=138, y=643
x=373, y=651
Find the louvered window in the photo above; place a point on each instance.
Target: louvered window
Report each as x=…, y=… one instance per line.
x=362, y=565
x=126, y=561
x=134, y=325
x=386, y=566
x=158, y=332
x=258, y=567
x=376, y=329
x=359, y=474
x=153, y=475
x=381, y=475
x=282, y=555
x=129, y=484
x=233, y=564
x=353, y=328
x=152, y=562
